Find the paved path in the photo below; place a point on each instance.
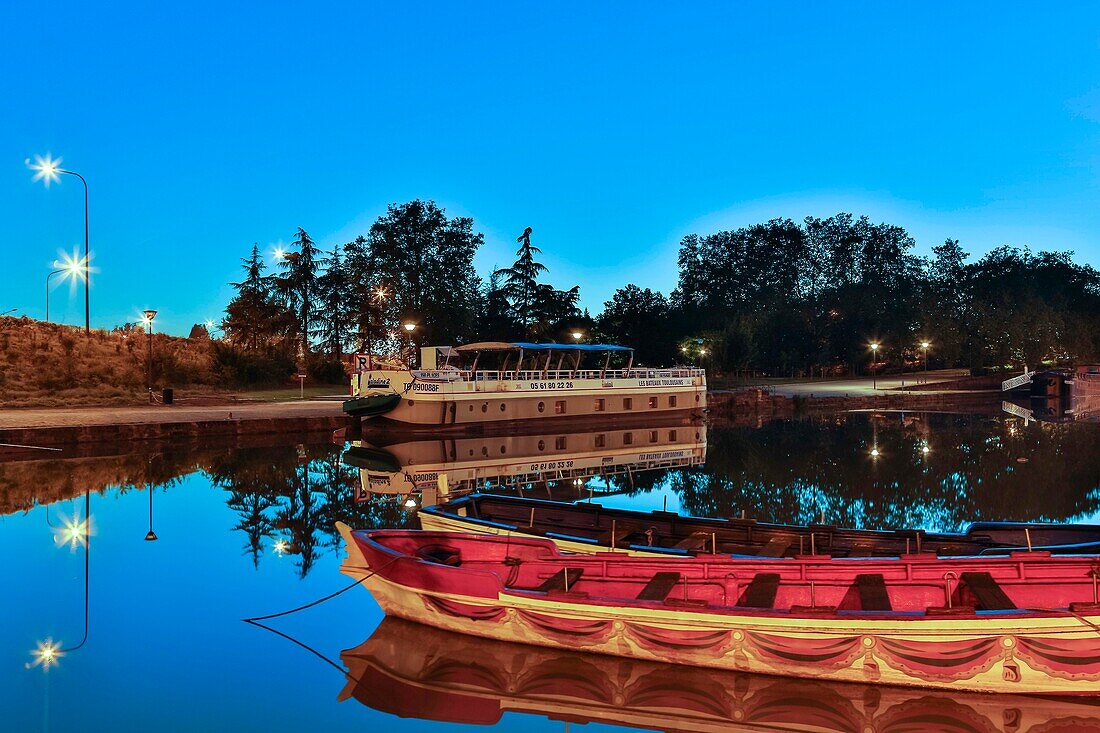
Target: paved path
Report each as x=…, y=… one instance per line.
x=862, y=387
x=62, y=417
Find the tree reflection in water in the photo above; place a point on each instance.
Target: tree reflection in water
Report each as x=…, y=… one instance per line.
x=289, y=496
x=975, y=468
x=296, y=494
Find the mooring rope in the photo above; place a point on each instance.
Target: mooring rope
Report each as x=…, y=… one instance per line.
x=319, y=601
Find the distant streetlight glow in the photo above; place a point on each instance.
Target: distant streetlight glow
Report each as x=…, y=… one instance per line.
x=280, y=547
x=702, y=352
x=410, y=503
x=280, y=253
x=874, y=372
x=577, y=335
x=410, y=327
x=380, y=295
x=925, y=450
x=874, y=453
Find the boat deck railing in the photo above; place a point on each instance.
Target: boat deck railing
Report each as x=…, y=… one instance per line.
x=556, y=375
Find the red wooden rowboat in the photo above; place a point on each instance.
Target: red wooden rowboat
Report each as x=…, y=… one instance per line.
x=1022, y=623
x=417, y=671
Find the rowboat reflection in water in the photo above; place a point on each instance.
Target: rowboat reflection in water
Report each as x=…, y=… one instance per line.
x=416, y=671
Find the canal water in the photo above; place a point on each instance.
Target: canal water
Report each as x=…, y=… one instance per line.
x=152, y=632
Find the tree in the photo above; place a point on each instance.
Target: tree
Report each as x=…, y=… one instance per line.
x=640, y=318
x=335, y=295
x=299, y=286
x=253, y=320
x=426, y=260
x=521, y=285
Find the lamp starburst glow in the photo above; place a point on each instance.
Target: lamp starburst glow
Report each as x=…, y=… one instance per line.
x=72, y=532
x=281, y=547
x=47, y=169
x=280, y=253
x=72, y=266
x=380, y=294
x=46, y=654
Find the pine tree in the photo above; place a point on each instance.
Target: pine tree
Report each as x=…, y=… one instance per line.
x=521, y=280
x=334, y=296
x=299, y=286
x=252, y=318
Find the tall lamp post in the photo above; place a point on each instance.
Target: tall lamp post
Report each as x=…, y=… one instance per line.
x=874, y=361
x=50, y=171
x=70, y=267
x=409, y=327
x=379, y=297
x=924, y=347
x=55, y=272
x=149, y=315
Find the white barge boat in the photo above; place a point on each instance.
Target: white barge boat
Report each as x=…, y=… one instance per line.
x=497, y=382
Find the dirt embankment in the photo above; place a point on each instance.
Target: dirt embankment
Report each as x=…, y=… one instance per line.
x=49, y=364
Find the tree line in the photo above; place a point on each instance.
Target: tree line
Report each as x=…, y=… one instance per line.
x=776, y=298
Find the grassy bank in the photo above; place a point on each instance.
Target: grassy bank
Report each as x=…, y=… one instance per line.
x=53, y=365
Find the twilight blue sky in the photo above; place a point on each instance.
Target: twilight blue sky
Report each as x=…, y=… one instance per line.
x=612, y=129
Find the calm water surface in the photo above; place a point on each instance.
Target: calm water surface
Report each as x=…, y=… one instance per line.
x=243, y=532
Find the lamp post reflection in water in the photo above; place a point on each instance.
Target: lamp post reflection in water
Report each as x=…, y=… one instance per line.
x=151, y=536
x=73, y=533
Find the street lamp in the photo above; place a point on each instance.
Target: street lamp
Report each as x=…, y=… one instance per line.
x=874, y=360
x=577, y=336
x=69, y=268
x=924, y=347
x=379, y=296
x=147, y=319
x=50, y=171
x=409, y=327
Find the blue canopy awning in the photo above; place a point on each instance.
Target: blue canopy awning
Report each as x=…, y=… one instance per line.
x=571, y=347
x=526, y=346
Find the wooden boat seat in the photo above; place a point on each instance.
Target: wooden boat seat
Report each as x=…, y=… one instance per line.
x=659, y=586
x=872, y=592
x=761, y=592
x=557, y=581
x=987, y=591
x=776, y=547
x=694, y=541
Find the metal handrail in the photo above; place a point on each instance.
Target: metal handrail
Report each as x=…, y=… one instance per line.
x=489, y=375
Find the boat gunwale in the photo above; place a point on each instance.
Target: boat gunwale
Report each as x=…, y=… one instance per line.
x=1085, y=623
